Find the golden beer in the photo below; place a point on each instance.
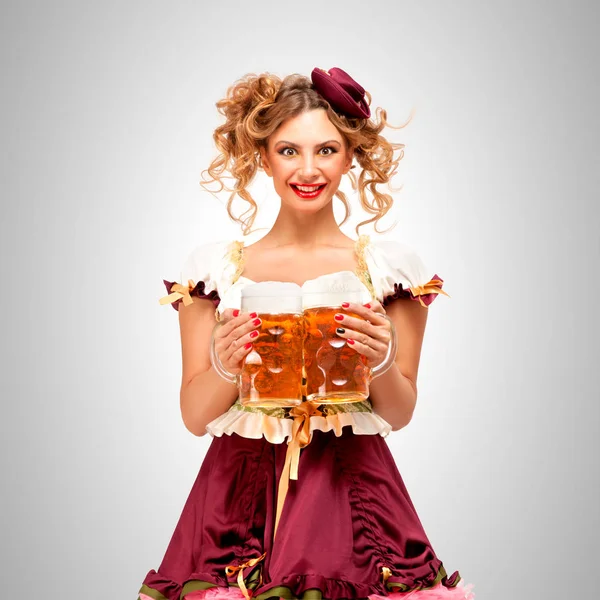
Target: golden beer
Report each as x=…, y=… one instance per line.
x=335, y=373
x=298, y=353
x=272, y=370
x=271, y=373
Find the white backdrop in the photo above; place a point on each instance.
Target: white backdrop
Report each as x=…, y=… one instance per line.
x=108, y=110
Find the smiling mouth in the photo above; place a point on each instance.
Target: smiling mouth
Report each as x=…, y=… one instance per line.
x=308, y=188
x=308, y=191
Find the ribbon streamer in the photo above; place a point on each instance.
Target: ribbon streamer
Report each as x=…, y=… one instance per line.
x=301, y=437
x=431, y=287
x=179, y=291
x=232, y=569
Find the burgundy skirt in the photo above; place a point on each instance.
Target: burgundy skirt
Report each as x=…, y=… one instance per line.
x=348, y=528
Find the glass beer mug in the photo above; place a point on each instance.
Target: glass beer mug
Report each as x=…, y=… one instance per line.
x=271, y=372
x=335, y=372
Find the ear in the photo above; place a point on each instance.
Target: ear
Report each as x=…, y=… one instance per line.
x=264, y=161
x=349, y=159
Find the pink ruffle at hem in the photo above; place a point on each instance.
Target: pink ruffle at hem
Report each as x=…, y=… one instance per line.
x=438, y=592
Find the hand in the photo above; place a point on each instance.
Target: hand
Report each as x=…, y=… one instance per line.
x=234, y=336
x=369, y=335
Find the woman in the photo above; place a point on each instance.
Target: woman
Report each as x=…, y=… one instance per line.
x=346, y=528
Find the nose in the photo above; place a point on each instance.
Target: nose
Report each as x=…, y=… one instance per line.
x=308, y=168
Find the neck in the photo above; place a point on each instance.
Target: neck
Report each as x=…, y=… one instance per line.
x=293, y=228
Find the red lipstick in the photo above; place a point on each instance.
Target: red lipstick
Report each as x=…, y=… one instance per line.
x=315, y=189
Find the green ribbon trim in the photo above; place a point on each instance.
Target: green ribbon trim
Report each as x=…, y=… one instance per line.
x=151, y=592
x=438, y=578
x=283, y=412
x=251, y=582
x=281, y=591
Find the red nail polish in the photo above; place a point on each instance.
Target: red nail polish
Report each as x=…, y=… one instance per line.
x=248, y=346
x=254, y=334
x=236, y=312
x=345, y=304
x=350, y=342
x=367, y=306
x=256, y=322
x=339, y=317
x=253, y=315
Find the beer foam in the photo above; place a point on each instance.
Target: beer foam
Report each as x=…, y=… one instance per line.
x=332, y=290
x=272, y=297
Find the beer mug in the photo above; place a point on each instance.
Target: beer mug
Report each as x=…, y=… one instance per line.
x=335, y=372
x=271, y=372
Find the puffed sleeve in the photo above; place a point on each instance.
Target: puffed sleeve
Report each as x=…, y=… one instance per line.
x=398, y=271
x=198, y=277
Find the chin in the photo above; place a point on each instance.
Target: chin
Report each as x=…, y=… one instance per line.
x=292, y=199
x=308, y=206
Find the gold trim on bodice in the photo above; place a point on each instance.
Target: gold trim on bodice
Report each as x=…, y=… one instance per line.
x=362, y=271
x=237, y=257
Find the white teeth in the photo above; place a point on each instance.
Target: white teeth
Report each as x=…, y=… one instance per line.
x=307, y=188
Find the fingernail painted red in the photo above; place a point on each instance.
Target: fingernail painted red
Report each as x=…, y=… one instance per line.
x=345, y=304
x=339, y=317
x=254, y=334
x=253, y=315
x=350, y=341
x=256, y=322
x=367, y=306
x=236, y=312
x=248, y=346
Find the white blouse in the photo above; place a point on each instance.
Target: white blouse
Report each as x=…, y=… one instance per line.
x=387, y=270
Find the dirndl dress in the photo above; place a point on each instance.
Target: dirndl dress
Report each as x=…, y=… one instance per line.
x=304, y=502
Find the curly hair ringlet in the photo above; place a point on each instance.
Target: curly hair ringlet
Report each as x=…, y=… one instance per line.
x=256, y=105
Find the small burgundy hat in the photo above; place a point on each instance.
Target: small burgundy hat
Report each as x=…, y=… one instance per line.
x=341, y=91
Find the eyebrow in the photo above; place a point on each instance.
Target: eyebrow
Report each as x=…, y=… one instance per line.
x=318, y=145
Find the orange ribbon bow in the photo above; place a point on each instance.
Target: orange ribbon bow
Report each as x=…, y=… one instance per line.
x=431, y=287
x=232, y=569
x=179, y=291
x=300, y=438
x=385, y=573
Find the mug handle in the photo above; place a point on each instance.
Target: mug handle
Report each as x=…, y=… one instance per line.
x=391, y=353
x=216, y=363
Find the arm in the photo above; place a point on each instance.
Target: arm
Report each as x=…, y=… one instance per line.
x=204, y=394
x=394, y=394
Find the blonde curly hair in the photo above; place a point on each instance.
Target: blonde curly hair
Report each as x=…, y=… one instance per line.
x=256, y=105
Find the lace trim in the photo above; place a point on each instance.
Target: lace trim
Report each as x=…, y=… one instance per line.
x=276, y=427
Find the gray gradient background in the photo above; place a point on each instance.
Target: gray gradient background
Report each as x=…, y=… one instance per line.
x=107, y=116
